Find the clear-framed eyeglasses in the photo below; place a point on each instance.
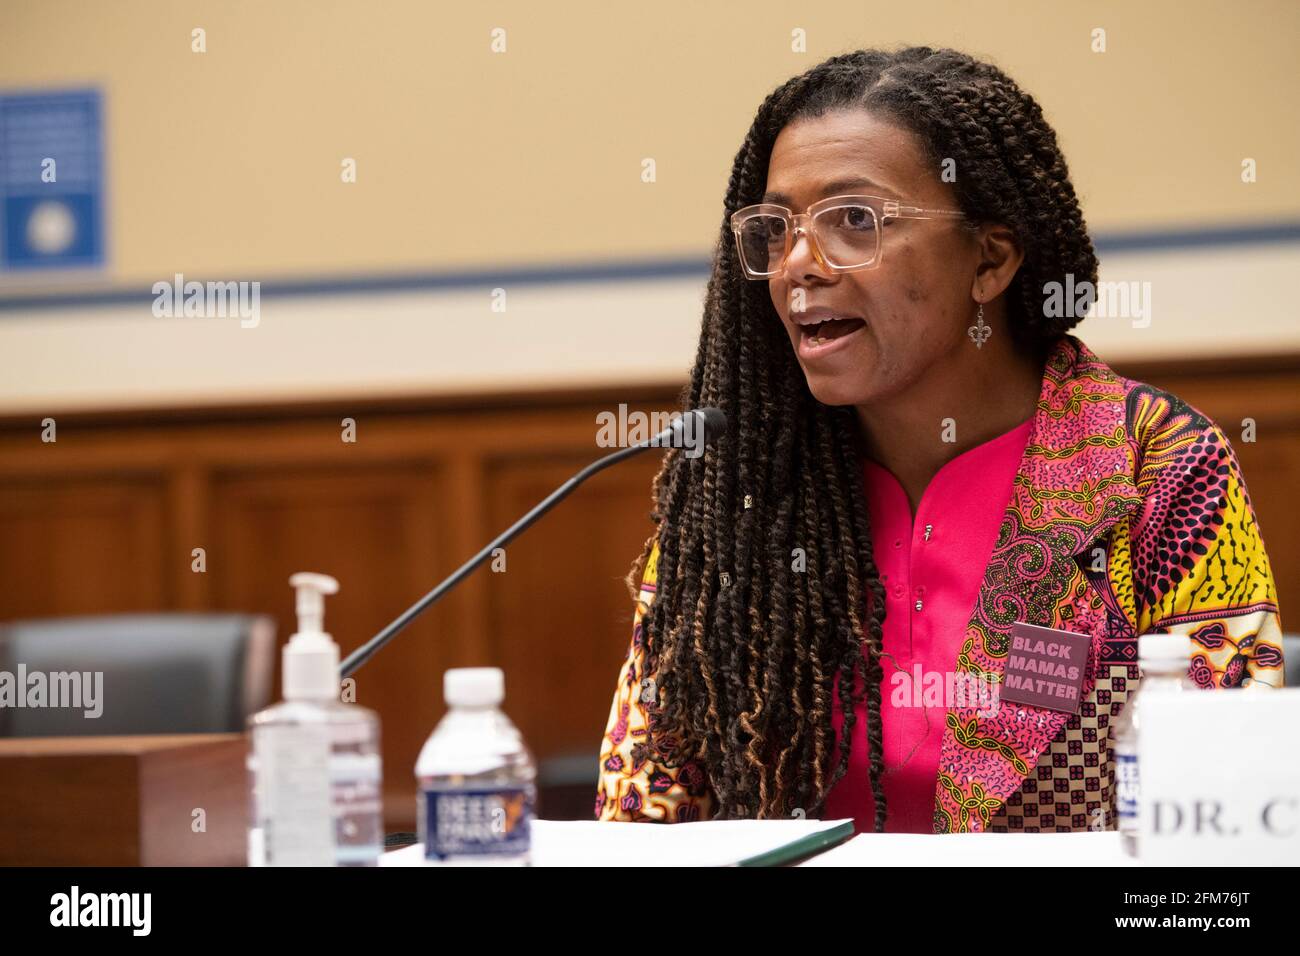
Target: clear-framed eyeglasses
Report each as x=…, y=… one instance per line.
x=844, y=232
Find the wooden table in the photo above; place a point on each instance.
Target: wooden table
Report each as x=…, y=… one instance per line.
x=169, y=800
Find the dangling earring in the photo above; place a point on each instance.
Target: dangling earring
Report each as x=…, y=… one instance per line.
x=979, y=332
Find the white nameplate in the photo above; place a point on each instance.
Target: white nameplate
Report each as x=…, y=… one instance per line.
x=1220, y=777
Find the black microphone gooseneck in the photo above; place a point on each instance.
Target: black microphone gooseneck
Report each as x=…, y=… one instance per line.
x=700, y=426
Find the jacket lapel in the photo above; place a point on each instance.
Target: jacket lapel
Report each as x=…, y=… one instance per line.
x=1075, y=481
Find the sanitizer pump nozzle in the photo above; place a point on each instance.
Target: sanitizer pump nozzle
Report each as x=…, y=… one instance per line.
x=311, y=658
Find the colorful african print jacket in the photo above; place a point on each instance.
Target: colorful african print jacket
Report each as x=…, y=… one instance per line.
x=1128, y=516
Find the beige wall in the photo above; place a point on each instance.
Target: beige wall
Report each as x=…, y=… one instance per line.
x=227, y=162
x=225, y=165
x=552, y=336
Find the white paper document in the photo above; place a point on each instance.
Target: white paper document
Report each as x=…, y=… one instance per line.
x=1101, y=848
x=598, y=843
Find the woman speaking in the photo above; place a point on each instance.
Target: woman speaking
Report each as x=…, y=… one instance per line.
x=921, y=462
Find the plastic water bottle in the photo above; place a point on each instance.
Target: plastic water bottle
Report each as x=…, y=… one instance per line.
x=476, y=778
x=314, y=764
x=1163, y=659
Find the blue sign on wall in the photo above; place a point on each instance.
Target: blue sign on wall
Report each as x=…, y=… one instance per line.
x=51, y=180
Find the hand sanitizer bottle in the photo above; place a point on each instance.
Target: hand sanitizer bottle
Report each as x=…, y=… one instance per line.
x=314, y=761
x=476, y=779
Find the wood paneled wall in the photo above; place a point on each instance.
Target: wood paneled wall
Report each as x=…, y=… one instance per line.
x=106, y=518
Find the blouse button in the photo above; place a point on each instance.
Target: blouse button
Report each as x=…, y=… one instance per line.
x=918, y=605
x=898, y=590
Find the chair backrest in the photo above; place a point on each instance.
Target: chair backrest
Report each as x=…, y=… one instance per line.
x=135, y=674
x=1291, y=659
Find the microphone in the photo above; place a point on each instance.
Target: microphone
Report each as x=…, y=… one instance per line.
x=693, y=431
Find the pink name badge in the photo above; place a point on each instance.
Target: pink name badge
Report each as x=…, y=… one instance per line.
x=1045, y=668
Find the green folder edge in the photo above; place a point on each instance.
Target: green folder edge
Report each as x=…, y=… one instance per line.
x=803, y=847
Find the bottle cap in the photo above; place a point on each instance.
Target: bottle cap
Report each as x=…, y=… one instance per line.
x=474, y=686
x=311, y=658
x=1170, y=648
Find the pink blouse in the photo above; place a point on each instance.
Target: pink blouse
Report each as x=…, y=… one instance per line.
x=931, y=568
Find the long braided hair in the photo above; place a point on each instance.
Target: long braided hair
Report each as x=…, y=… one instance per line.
x=767, y=586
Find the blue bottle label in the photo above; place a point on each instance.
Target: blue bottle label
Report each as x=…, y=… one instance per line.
x=477, y=822
x=1126, y=787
